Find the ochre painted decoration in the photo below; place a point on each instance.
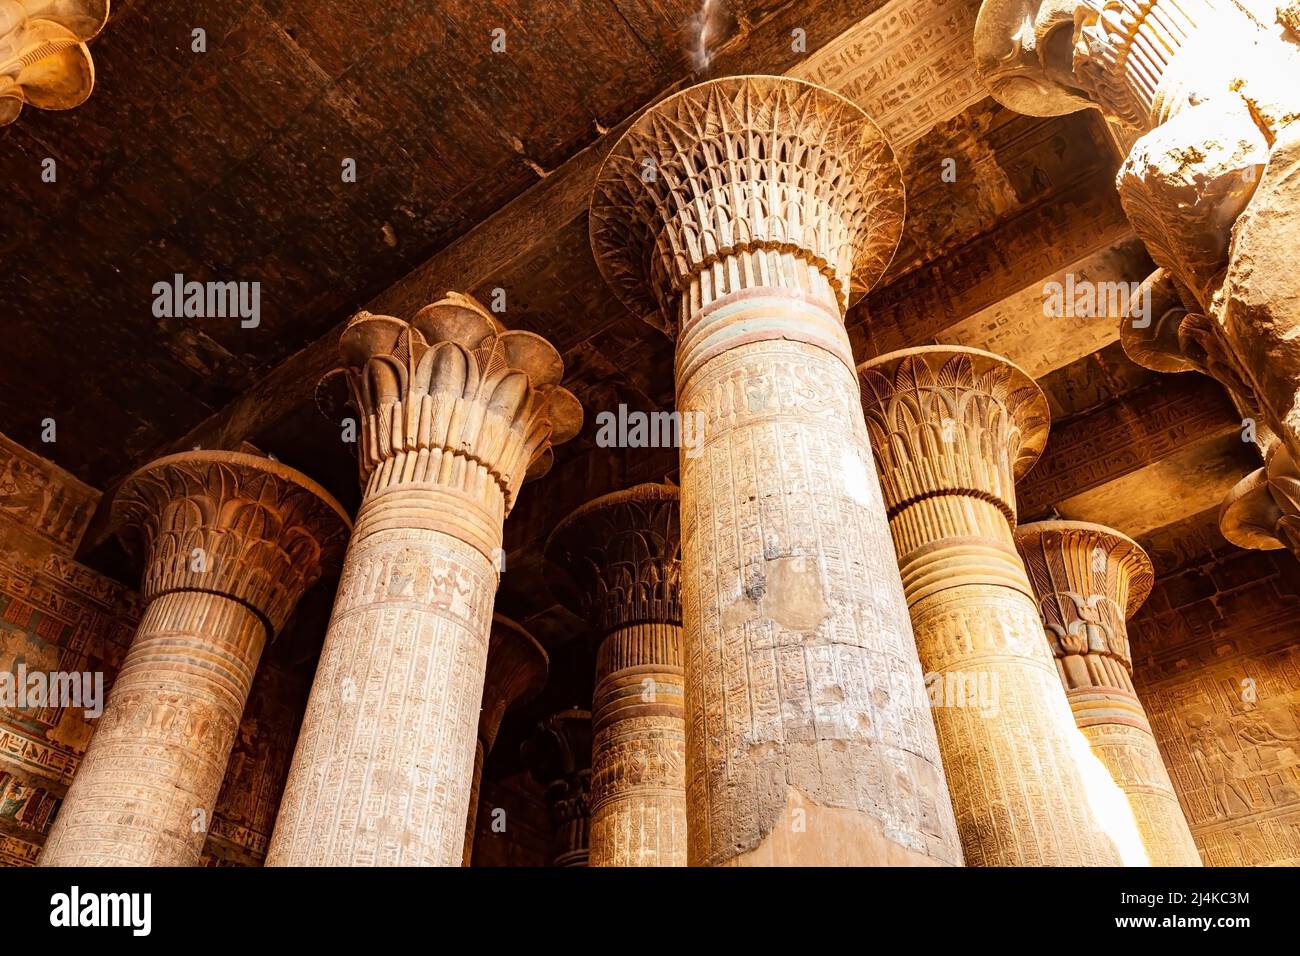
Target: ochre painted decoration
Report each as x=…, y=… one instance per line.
x=1209, y=89
x=741, y=216
x=1088, y=580
x=616, y=561
x=953, y=428
x=231, y=541
x=44, y=59
x=516, y=671
x=454, y=414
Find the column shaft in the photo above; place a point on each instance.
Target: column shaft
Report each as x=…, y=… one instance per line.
x=146, y=788
x=743, y=213
x=455, y=412
x=232, y=541
x=953, y=428
x=384, y=762
x=1087, y=579
x=638, y=762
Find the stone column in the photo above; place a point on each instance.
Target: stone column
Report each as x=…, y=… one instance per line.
x=516, y=670
x=740, y=216
x=231, y=542
x=1088, y=579
x=616, y=561
x=558, y=755
x=952, y=429
x=454, y=413
x=44, y=59
x=1208, y=184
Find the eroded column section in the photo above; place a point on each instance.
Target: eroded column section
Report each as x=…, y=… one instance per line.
x=231, y=542
x=740, y=216
x=516, y=670
x=616, y=561
x=952, y=429
x=454, y=413
x=1088, y=579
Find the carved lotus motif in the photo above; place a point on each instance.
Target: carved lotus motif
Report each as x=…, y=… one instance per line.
x=745, y=164
x=617, y=558
x=452, y=388
x=944, y=417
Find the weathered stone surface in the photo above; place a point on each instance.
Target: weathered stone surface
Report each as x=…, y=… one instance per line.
x=1088, y=579
x=231, y=542
x=455, y=412
x=617, y=561
x=1217, y=668
x=952, y=429
x=1209, y=185
x=808, y=740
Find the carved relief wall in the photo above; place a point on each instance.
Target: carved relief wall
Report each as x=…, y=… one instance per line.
x=1218, y=667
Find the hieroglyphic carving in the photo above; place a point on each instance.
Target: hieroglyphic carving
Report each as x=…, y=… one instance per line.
x=455, y=412
x=230, y=541
x=240, y=832
x=55, y=616
x=516, y=670
x=558, y=755
x=43, y=499
x=1088, y=580
x=1229, y=730
x=909, y=65
x=808, y=740
x=952, y=429
x=616, y=560
x=917, y=308
x=1143, y=427
x=44, y=59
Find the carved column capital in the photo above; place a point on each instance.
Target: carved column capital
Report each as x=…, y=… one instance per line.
x=1262, y=511
x=233, y=524
x=1088, y=580
x=1138, y=61
x=616, y=560
x=453, y=401
x=44, y=59
x=952, y=420
x=741, y=183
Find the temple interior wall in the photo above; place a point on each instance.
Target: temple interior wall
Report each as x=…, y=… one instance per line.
x=1217, y=667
